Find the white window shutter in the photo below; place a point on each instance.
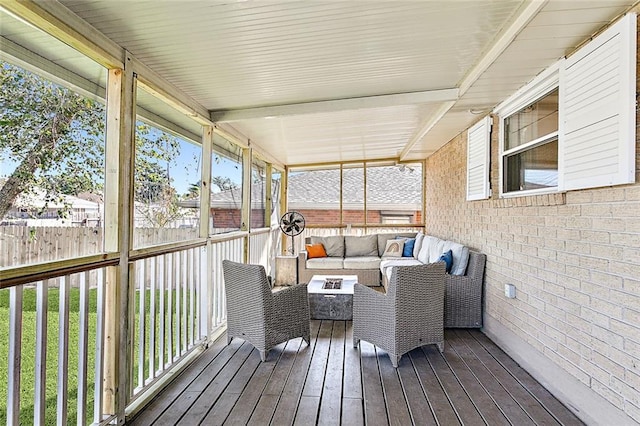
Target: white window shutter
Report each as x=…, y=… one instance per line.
x=478, y=151
x=597, y=110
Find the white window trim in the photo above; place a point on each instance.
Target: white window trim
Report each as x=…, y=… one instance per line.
x=544, y=83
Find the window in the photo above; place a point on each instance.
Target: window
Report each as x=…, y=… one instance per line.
x=276, y=184
x=573, y=126
x=226, y=189
x=167, y=173
x=529, y=124
x=259, y=196
x=49, y=210
x=530, y=156
x=316, y=194
x=394, y=194
x=353, y=194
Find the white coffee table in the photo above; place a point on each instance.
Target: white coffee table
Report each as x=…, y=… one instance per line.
x=331, y=304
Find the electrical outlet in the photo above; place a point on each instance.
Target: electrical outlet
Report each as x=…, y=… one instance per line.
x=510, y=291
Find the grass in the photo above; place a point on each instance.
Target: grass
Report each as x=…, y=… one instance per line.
x=28, y=367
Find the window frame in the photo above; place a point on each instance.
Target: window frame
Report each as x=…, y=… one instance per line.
x=545, y=83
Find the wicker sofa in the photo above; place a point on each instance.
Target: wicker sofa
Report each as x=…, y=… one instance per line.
x=464, y=286
x=348, y=255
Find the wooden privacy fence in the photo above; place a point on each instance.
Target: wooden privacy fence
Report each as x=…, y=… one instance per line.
x=21, y=245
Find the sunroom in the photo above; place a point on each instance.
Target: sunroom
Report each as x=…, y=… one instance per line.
x=143, y=143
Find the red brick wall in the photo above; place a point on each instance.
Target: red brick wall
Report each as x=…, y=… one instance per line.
x=228, y=218
x=231, y=218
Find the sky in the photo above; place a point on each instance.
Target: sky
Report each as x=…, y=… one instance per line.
x=184, y=170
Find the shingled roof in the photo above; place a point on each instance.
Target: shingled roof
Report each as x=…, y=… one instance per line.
x=388, y=188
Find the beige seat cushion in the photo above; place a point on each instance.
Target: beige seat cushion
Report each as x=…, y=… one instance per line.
x=325, y=263
x=362, y=262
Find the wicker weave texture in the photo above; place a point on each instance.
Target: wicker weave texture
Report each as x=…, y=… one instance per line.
x=463, y=297
x=259, y=316
x=409, y=315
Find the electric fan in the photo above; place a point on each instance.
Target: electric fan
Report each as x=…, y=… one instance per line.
x=292, y=224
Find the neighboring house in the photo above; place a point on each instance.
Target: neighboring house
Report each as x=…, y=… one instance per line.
x=394, y=195
x=34, y=209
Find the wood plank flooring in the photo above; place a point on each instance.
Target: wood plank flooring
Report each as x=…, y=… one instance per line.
x=331, y=383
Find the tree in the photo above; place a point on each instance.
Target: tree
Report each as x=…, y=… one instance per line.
x=53, y=134
x=56, y=139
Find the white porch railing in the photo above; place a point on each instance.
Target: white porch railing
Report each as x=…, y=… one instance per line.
x=263, y=246
x=168, y=311
x=54, y=331
x=55, y=334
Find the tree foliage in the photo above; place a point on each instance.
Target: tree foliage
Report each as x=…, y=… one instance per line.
x=52, y=134
x=55, y=139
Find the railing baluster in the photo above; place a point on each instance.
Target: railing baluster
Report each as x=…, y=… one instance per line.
x=42, y=314
x=141, y=276
x=63, y=351
x=214, y=284
x=161, y=338
x=153, y=271
x=178, y=283
x=99, y=363
x=170, y=311
x=183, y=288
x=83, y=346
x=192, y=294
x=15, y=355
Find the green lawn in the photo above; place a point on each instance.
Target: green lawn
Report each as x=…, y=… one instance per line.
x=29, y=344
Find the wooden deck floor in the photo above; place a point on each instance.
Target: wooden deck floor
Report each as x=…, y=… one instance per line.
x=329, y=382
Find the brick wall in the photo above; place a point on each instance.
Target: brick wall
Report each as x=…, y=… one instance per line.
x=574, y=259
x=231, y=218
x=227, y=218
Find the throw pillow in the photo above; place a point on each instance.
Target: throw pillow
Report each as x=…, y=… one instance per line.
x=315, y=250
x=366, y=245
x=409, y=243
x=333, y=245
x=393, y=248
x=447, y=258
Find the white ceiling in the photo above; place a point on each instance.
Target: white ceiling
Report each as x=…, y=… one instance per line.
x=313, y=81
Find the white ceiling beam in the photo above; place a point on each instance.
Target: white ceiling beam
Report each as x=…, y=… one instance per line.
x=426, y=127
x=233, y=136
x=26, y=59
x=501, y=42
x=55, y=19
x=377, y=101
x=528, y=11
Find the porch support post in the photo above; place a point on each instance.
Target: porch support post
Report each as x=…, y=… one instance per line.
x=206, y=274
x=364, y=195
x=120, y=151
x=341, y=201
x=284, y=204
x=205, y=181
x=268, y=201
x=424, y=194
x=246, y=198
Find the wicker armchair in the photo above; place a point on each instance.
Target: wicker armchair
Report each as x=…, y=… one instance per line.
x=409, y=315
x=260, y=316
